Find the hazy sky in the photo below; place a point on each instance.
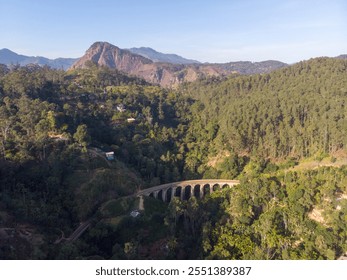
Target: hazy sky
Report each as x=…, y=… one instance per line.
x=213, y=31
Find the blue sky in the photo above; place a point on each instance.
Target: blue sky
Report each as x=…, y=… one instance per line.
x=208, y=31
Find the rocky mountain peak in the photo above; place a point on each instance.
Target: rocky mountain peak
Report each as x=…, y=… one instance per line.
x=106, y=54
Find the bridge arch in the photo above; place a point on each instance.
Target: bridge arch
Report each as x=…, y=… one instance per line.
x=206, y=189
x=178, y=192
x=188, y=192
x=161, y=195
x=168, y=196
x=216, y=187
x=197, y=191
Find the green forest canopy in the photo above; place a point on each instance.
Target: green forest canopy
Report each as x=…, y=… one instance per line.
x=55, y=126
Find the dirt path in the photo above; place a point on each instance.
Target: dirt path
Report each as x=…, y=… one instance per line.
x=313, y=164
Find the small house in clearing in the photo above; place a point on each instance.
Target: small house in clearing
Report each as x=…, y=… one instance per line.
x=135, y=213
x=130, y=120
x=110, y=155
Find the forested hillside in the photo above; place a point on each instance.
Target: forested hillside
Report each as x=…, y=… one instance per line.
x=56, y=126
x=298, y=111
x=55, y=129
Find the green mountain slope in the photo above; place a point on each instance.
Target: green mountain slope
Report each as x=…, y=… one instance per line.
x=293, y=112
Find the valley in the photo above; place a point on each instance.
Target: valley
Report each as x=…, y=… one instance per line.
x=278, y=134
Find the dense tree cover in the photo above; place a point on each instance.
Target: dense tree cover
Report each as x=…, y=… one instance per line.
x=56, y=126
x=266, y=217
x=297, y=111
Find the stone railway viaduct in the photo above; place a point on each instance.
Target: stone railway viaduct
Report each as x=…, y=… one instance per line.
x=186, y=189
x=183, y=190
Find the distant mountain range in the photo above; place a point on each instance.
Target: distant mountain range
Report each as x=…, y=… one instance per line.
x=162, y=57
x=9, y=57
x=155, y=68
x=168, y=70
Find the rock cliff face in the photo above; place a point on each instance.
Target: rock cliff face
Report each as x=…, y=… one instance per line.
x=165, y=74
x=105, y=54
